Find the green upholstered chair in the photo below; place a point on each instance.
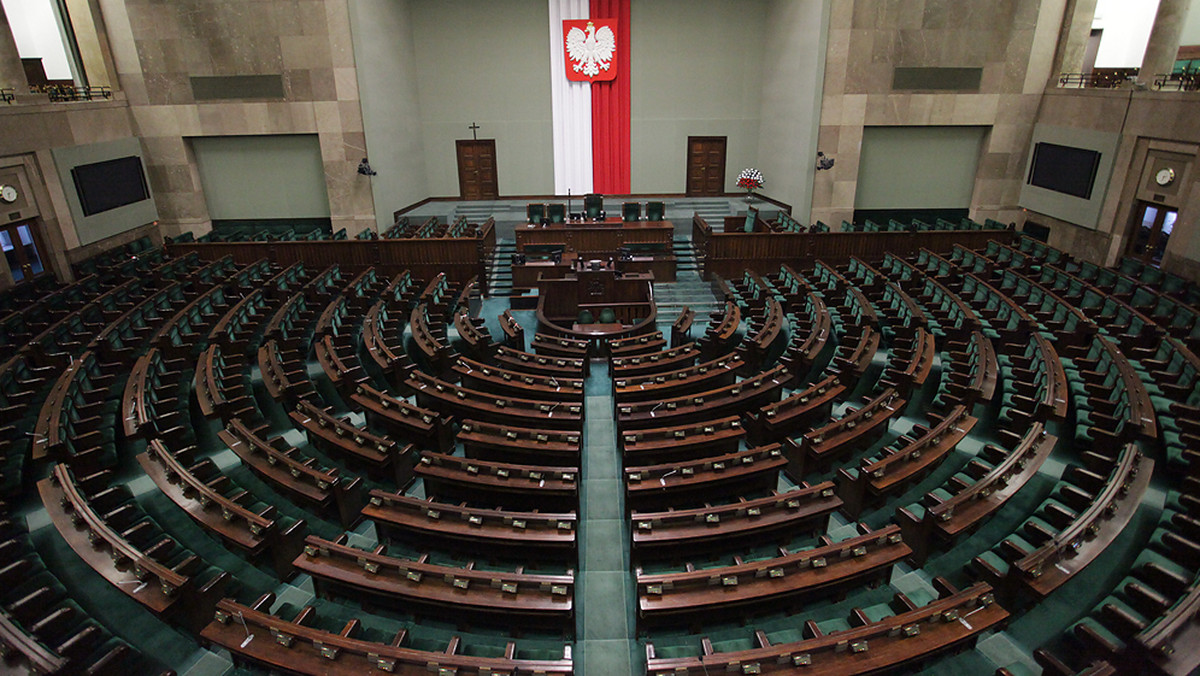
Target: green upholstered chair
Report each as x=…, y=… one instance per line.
x=585, y=317
x=655, y=211
x=607, y=316
x=535, y=212
x=556, y=212
x=592, y=206
x=751, y=219
x=631, y=211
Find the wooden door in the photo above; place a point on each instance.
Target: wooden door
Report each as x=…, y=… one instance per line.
x=706, y=165
x=477, y=170
x=19, y=243
x=1152, y=230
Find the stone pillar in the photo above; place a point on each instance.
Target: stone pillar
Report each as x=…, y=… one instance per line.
x=1164, y=40
x=1072, y=42
x=12, y=74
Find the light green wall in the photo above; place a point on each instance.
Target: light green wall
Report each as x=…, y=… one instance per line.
x=385, y=60
x=485, y=62
x=114, y=221
x=696, y=71
x=918, y=167
x=277, y=176
x=1083, y=212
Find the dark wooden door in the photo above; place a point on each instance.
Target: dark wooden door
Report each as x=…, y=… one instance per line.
x=19, y=242
x=1152, y=230
x=706, y=165
x=477, y=170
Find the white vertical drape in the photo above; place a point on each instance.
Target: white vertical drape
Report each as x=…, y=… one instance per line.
x=571, y=105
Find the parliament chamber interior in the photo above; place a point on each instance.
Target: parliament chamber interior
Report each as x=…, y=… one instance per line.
x=599, y=337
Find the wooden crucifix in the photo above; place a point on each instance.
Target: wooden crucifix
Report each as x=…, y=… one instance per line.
x=474, y=131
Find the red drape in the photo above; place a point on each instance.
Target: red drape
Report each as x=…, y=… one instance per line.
x=610, y=109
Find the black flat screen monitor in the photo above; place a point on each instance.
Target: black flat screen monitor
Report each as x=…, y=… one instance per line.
x=110, y=184
x=1064, y=169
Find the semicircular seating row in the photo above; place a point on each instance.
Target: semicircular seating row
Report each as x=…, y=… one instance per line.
x=828, y=426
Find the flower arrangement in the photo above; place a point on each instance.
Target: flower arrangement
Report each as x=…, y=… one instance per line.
x=750, y=179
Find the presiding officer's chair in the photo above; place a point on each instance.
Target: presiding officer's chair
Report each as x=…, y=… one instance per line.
x=592, y=206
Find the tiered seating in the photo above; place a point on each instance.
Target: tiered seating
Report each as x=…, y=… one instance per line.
x=383, y=336
x=43, y=630
x=379, y=456
x=818, y=448
x=714, y=526
x=112, y=534
x=472, y=529
x=78, y=420
x=879, y=637
x=903, y=461
x=1012, y=345
x=306, y=644
x=976, y=492
x=222, y=507
x=1089, y=508
x=769, y=582
x=323, y=489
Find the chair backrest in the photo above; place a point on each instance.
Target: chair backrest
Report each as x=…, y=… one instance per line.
x=535, y=212
x=655, y=211
x=592, y=205
x=631, y=211
x=607, y=316
x=585, y=317
x=556, y=212
x=751, y=219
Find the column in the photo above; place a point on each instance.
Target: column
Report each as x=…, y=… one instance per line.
x=12, y=74
x=1164, y=40
x=1073, y=40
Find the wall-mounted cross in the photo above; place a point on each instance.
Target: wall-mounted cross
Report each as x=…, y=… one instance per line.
x=474, y=129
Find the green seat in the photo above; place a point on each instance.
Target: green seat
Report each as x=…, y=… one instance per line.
x=556, y=212
x=631, y=211
x=535, y=212
x=592, y=205
x=607, y=316
x=655, y=211
x=585, y=317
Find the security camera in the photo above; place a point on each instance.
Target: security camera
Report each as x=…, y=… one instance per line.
x=824, y=162
x=365, y=169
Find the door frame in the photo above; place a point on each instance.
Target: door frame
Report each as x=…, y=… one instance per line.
x=1146, y=254
x=459, y=144
x=35, y=234
x=689, y=189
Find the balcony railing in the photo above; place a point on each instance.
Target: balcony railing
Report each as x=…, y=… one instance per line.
x=65, y=93
x=1100, y=78
x=1178, y=82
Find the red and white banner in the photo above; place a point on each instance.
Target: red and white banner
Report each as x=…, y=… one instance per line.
x=590, y=47
x=589, y=83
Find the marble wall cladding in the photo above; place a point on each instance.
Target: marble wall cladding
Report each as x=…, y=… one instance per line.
x=869, y=38
x=160, y=45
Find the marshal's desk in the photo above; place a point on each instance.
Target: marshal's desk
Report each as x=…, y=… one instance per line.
x=601, y=240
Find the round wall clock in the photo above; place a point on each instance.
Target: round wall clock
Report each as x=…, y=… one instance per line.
x=8, y=194
x=1165, y=176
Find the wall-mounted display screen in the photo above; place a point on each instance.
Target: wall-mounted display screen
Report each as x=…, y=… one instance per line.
x=110, y=184
x=1064, y=169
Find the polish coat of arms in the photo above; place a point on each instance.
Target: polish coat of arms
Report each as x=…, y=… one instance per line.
x=591, y=49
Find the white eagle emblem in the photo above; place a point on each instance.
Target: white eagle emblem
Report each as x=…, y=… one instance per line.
x=591, y=51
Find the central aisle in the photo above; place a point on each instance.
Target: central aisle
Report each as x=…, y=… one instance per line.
x=605, y=613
